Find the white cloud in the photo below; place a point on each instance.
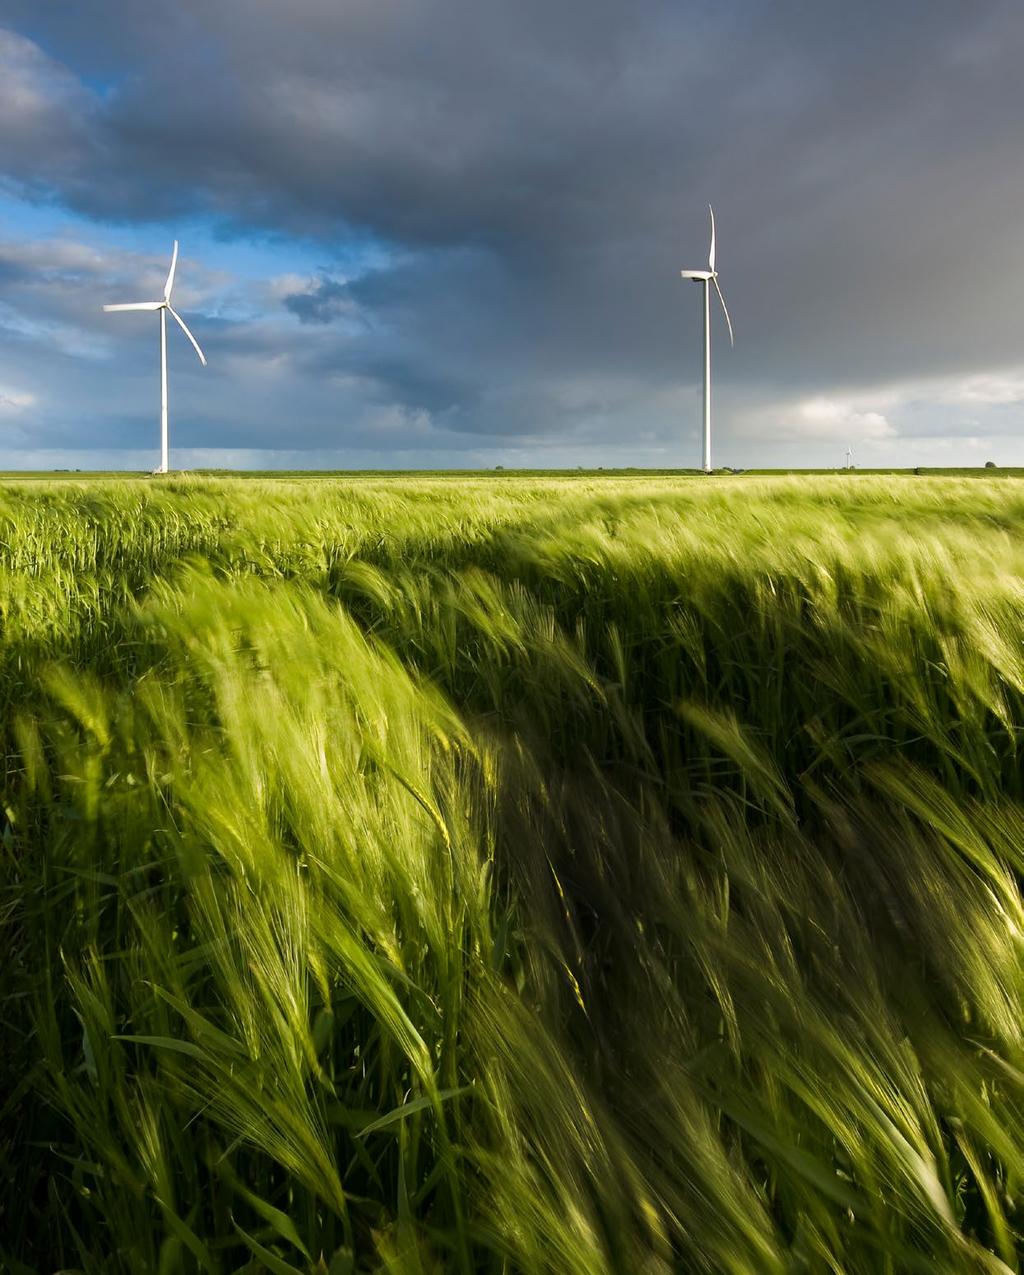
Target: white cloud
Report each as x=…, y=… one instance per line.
x=830, y=418
x=967, y=409
x=12, y=400
x=993, y=389
x=285, y=285
x=819, y=418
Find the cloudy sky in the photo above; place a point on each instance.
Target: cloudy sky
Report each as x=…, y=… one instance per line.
x=449, y=232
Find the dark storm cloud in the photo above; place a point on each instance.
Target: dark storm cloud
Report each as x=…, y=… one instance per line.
x=538, y=174
x=326, y=301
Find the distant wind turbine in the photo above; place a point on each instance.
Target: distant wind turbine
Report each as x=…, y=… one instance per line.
x=708, y=277
x=163, y=306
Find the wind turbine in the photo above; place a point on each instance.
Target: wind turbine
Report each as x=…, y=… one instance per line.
x=163, y=306
x=708, y=277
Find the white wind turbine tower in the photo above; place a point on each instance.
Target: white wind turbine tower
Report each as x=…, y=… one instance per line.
x=708, y=277
x=163, y=306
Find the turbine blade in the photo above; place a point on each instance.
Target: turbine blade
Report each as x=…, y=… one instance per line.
x=137, y=305
x=714, y=280
x=181, y=324
x=170, y=273
x=711, y=254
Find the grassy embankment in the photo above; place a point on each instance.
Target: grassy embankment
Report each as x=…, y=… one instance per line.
x=552, y=876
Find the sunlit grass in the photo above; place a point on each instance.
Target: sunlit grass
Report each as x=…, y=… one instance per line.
x=515, y=875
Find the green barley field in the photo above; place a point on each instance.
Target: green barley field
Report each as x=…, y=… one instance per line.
x=606, y=875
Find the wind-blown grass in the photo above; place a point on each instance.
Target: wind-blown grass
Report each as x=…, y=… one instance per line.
x=516, y=876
